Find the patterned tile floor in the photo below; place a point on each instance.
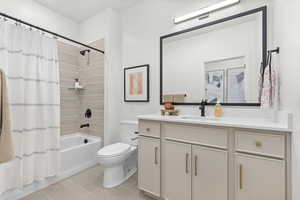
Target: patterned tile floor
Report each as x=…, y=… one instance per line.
x=87, y=185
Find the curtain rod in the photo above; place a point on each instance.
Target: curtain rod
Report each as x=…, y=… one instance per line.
x=50, y=32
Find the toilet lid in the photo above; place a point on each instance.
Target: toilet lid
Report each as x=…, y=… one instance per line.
x=114, y=150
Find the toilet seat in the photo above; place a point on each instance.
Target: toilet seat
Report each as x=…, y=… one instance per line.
x=113, y=150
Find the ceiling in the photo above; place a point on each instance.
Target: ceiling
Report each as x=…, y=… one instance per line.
x=81, y=10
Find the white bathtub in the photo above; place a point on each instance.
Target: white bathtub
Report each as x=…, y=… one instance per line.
x=77, y=155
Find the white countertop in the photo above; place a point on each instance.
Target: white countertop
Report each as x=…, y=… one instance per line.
x=251, y=123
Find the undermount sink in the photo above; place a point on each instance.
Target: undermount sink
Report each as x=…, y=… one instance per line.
x=199, y=118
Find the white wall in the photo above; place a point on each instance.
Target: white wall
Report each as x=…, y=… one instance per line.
x=145, y=22
x=286, y=34
x=94, y=28
x=107, y=25
x=36, y=14
x=113, y=89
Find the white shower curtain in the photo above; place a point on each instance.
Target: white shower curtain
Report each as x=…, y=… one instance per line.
x=30, y=62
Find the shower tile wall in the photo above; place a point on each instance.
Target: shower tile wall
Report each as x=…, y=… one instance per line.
x=74, y=103
x=92, y=77
x=70, y=104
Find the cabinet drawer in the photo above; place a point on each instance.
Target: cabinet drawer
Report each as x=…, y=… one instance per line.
x=260, y=143
x=207, y=136
x=149, y=128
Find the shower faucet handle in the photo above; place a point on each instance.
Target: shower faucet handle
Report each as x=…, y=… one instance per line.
x=88, y=113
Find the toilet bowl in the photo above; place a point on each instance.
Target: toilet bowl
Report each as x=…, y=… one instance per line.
x=119, y=160
x=113, y=159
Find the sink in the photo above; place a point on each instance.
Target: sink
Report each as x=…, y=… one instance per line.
x=199, y=118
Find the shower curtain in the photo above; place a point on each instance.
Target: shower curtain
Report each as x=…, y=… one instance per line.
x=29, y=60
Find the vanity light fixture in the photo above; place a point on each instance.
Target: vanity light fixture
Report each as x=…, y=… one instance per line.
x=205, y=11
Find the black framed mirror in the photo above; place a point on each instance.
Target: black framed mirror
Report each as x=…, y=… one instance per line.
x=219, y=61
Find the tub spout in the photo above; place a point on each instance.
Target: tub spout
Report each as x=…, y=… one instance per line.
x=84, y=125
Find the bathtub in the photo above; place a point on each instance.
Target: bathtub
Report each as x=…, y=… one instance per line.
x=76, y=155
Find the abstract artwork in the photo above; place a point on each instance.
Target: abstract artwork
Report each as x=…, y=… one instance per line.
x=215, y=86
x=136, y=84
x=236, y=85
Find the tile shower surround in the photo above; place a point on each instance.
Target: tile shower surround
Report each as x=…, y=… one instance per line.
x=74, y=103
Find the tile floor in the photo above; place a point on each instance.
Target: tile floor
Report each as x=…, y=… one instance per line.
x=87, y=186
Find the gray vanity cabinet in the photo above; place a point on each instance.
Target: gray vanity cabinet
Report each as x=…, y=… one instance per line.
x=194, y=172
x=210, y=171
x=178, y=171
x=259, y=178
x=149, y=165
x=184, y=161
x=260, y=165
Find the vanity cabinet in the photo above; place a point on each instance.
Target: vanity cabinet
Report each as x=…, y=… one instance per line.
x=194, y=172
x=259, y=178
x=149, y=165
x=260, y=166
x=195, y=162
x=185, y=161
x=210, y=173
x=178, y=171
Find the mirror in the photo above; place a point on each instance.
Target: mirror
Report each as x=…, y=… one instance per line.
x=219, y=61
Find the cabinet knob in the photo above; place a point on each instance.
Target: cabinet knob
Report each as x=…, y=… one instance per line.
x=258, y=144
x=148, y=129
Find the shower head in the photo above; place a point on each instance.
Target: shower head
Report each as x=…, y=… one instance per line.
x=84, y=51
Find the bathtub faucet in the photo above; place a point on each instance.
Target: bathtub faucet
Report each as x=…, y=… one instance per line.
x=84, y=125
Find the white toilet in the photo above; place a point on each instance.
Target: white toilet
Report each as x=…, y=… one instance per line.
x=119, y=160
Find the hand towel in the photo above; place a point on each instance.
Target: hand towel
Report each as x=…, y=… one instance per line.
x=6, y=144
x=270, y=94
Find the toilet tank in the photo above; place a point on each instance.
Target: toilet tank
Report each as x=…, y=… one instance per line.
x=128, y=129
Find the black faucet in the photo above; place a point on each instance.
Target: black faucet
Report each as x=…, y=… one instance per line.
x=84, y=125
x=202, y=107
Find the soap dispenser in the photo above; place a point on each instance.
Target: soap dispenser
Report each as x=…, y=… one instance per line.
x=218, y=110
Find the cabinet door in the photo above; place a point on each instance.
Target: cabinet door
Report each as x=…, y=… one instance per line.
x=209, y=178
x=177, y=171
x=149, y=165
x=259, y=178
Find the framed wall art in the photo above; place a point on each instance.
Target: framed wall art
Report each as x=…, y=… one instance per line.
x=136, y=84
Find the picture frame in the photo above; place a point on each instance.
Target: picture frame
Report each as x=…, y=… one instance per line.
x=214, y=86
x=236, y=84
x=136, y=84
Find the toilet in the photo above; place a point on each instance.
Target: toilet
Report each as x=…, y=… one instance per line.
x=119, y=160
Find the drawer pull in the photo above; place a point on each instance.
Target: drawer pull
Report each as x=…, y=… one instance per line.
x=258, y=144
x=186, y=163
x=241, y=176
x=148, y=129
x=155, y=155
x=196, y=165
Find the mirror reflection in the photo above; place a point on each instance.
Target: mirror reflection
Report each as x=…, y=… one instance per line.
x=220, y=63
